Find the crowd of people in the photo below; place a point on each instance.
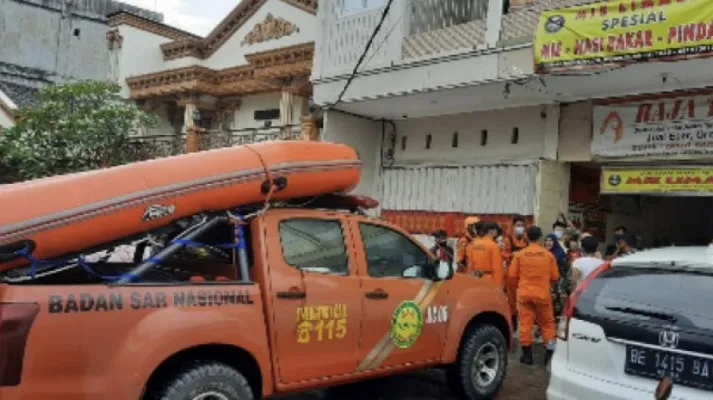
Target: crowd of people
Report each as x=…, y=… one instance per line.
x=537, y=271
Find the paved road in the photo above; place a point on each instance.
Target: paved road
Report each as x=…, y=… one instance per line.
x=523, y=383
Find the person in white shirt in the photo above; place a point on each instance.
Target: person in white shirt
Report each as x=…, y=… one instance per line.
x=583, y=266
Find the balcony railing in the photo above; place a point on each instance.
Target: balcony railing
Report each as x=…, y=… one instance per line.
x=344, y=37
x=157, y=146
x=431, y=15
x=444, y=26
x=218, y=139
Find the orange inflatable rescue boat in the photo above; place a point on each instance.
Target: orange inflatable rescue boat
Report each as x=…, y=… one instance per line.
x=71, y=213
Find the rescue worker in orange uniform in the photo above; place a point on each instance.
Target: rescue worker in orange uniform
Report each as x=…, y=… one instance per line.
x=533, y=271
x=484, y=258
x=464, y=241
x=514, y=242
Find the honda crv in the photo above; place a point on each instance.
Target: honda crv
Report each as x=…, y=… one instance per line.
x=635, y=321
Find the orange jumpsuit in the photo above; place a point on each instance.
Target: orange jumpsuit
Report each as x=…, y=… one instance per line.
x=464, y=241
x=461, y=247
x=484, y=256
x=533, y=270
x=513, y=244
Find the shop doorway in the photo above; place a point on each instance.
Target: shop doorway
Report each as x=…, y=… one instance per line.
x=657, y=218
x=660, y=221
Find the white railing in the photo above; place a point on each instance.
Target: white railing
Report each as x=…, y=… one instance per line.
x=430, y=15
x=343, y=38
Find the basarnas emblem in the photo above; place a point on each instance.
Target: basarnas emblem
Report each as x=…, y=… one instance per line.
x=406, y=324
x=157, y=211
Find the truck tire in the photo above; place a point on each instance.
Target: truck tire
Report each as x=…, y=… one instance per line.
x=206, y=380
x=481, y=367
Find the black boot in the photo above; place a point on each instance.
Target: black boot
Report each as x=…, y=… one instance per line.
x=526, y=357
x=548, y=356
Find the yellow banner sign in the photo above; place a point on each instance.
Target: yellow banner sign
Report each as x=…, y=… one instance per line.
x=623, y=31
x=665, y=180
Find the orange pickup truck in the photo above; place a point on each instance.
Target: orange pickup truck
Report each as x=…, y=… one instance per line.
x=342, y=298
x=302, y=295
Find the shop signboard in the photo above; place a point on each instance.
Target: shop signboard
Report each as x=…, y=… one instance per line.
x=678, y=127
x=622, y=32
x=669, y=180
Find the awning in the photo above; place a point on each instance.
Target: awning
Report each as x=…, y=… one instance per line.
x=662, y=181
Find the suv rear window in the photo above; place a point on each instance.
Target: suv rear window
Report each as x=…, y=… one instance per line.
x=652, y=295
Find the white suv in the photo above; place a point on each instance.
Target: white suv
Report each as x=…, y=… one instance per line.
x=643, y=317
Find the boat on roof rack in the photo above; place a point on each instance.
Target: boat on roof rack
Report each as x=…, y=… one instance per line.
x=69, y=213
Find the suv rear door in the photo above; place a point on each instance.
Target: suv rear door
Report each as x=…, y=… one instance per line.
x=633, y=325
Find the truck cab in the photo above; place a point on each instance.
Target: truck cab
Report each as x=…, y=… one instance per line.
x=331, y=296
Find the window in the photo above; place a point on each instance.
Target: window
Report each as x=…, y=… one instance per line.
x=454, y=140
x=484, y=137
x=391, y=254
x=515, y=135
x=208, y=259
x=429, y=138
x=403, y=142
x=211, y=248
x=314, y=245
x=358, y=6
x=618, y=293
x=506, y=6
x=267, y=115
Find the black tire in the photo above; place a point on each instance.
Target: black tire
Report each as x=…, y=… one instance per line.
x=204, y=377
x=477, y=342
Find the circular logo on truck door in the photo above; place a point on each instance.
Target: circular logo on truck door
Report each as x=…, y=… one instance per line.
x=406, y=325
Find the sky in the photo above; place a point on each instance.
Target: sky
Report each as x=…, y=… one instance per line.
x=195, y=16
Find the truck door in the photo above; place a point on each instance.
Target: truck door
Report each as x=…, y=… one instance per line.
x=404, y=314
x=315, y=295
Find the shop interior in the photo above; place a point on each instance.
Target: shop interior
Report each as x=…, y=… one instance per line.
x=657, y=220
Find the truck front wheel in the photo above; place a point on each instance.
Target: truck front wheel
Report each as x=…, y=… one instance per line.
x=206, y=380
x=482, y=363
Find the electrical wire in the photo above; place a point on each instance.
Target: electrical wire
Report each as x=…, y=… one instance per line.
x=388, y=34
x=363, y=55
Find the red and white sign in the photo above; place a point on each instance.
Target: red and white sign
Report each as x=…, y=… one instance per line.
x=671, y=127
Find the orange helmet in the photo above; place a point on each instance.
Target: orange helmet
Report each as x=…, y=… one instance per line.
x=470, y=221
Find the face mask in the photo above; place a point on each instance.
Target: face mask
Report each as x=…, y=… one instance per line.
x=519, y=230
x=559, y=234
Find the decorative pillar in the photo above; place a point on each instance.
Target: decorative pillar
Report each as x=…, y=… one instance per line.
x=226, y=111
x=286, y=114
x=310, y=131
x=190, y=129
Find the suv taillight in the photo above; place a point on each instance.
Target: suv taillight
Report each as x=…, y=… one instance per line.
x=563, y=325
x=15, y=322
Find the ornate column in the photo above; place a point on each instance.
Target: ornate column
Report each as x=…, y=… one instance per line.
x=189, y=127
x=226, y=110
x=310, y=131
x=286, y=102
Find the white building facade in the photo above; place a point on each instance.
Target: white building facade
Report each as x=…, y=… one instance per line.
x=247, y=80
x=452, y=120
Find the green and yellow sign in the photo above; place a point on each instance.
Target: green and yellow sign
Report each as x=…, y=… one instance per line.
x=681, y=180
x=621, y=32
